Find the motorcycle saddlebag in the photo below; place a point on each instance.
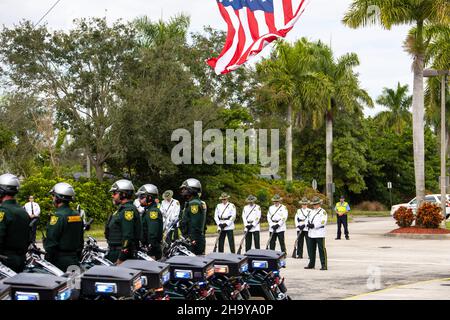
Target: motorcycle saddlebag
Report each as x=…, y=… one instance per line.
x=229, y=264
x=190, y=268
x=269, y=260
x=5, y=292
x=110, y=281
x=156, y=274
x=38, y=286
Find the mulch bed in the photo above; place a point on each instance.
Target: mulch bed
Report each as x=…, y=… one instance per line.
x=417, y=230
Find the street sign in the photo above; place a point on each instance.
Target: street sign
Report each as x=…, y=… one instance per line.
x=389, y=185
x=314, y=184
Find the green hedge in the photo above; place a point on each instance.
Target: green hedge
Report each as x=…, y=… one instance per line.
x=92, y=196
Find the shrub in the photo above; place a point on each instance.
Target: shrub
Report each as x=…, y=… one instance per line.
x=371, y=206
x=404, y=217
x=429, y=216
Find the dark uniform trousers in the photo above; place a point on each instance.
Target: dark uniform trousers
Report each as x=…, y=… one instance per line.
x=248, y=240
x=230, y=235
x=342, y=220
x=313, y=244
x=16, y=260
x=280, y=236
x=302, y=238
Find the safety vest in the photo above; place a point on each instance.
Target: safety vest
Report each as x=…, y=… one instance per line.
x=341, y=207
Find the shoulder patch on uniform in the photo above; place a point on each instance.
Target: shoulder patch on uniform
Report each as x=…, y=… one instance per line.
x=129, y=215
x=177, y=202
x=71, y=219
x=153, y=215
x=194, y=208
x=53, y=220
x=2, y=215
x=323, y=221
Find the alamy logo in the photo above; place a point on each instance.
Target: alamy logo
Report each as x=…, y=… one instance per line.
x=212, y=147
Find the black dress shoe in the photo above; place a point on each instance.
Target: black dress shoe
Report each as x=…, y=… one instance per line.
x=308, y=267
x=347, y=238
x=323, y=268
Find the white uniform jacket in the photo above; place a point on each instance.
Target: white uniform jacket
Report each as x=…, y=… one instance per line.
x=225, y=214
x=300, y=218
x=252, y=215
x=170, y=211
x=277, y=215
x=318, y=217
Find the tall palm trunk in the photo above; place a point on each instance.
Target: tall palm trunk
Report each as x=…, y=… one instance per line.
x=418, y=128
x=329, y=155
x=289, y=145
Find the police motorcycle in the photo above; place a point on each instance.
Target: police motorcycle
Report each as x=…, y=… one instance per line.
x=92, y=255
x=263, y=274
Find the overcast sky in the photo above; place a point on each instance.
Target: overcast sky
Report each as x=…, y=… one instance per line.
x=383, y=60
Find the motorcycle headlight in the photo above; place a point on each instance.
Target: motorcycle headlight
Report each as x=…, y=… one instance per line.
x=105, y=288
x=220, y=269
x=183, y=274
x=26, y=296
x=257, y=264
x=165, y=277
x=137, y=283
x=64, y=294
x=244, y=268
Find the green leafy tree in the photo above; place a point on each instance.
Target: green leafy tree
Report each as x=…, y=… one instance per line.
x=401, y=12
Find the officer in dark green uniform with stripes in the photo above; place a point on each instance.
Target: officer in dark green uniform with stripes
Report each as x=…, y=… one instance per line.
x=124, y=227
x=14, y=224
x=194, y=215
x=64, y=241
x=152, y=220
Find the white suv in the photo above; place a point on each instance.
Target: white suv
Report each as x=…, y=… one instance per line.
x=432, y=198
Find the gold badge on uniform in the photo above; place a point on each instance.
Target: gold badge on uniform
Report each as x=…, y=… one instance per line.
x=194, y=209
x=53, y=220
x=153, y=215
x=129, y=215
x=2, y=215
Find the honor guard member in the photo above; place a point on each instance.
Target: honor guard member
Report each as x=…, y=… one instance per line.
x=124, y=227
x=170, y=209
x=277, y=217
x=64, y=241
x=251, y=216
x=316, y=222
x=152, y=220
x=224, y=217
x=302, y=230
x=14, y=225
x=194, y=215
x=342, y=208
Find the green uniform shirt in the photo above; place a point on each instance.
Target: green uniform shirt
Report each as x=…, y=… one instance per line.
x=124, y=227
x=152, y=224
x=194, y=219
x=64, y=232
x=14, y=228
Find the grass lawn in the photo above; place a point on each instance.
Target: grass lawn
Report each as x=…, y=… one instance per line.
x=371, y=213
x=447, y=224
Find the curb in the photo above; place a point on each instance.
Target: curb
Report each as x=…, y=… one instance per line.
x=418, y=236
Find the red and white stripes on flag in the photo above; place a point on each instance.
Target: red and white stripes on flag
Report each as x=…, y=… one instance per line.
x=253, y=24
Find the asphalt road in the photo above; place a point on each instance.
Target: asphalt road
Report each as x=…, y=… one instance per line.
x=368, y=262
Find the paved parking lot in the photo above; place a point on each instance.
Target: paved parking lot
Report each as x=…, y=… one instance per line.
x=369, y=262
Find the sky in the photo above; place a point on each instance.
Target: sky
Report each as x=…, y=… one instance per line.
x=384, y=62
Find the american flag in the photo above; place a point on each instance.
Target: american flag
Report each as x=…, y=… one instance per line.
x=253, y=24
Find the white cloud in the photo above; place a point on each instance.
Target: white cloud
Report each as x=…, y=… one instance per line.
x=383, y=60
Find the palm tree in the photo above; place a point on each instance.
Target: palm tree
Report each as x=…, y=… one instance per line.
x=401, y=12
x=289, y=81
x=343, y=94
x=398, y=103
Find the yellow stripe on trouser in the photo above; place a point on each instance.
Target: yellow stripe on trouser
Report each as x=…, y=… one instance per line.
x=325, y=254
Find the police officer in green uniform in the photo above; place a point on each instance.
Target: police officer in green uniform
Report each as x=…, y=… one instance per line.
x=194, y=215
x=152, y=220
x=64, y=241
x=14, y=224
x=124, y=227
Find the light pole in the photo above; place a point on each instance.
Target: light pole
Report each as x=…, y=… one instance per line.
x=429, y=73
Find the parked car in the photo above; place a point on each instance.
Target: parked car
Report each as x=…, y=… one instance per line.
x=432, y=198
